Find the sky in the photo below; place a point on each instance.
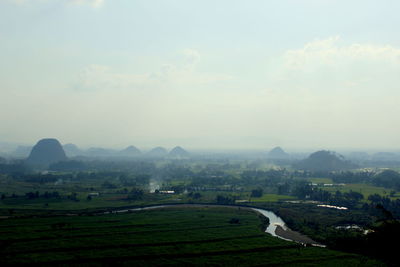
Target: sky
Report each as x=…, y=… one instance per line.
x=201, y=74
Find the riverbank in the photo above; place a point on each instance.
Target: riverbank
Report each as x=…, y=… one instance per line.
x=295, y=236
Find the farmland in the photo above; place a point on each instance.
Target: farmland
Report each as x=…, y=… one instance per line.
x=173, y=236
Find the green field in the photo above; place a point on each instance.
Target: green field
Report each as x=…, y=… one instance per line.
x=364, y=189
x=171, y=236
x=102, y=201
x=272, y=198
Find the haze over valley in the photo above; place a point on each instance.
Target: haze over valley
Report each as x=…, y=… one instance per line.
x=199, y=133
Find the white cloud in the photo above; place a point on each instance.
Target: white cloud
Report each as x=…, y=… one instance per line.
x=192, y=57
x=92, y=3
x=329, y=52
x=180, y=75
x=330, y=64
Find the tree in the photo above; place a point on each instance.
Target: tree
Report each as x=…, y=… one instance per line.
x=387, y=178
x=257, y=192
x=224, y=200
x=197, y=195
x=135, y=194
x=108, y=185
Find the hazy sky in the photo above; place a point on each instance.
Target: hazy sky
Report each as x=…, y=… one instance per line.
x=201, y=73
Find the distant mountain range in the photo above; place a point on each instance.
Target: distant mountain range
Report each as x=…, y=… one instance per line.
x=324, y=160
x=22, y=151
x=278, y=153
x=49, y=151
x=72, y=150
x=157, y=152
x=178, y=152
x=130, y=151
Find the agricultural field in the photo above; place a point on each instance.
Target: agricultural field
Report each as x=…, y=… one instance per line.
x=170, y=236
x=272, y=198
x=364, y=189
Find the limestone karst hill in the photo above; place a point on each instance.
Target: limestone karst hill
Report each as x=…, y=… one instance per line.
x=47, y=151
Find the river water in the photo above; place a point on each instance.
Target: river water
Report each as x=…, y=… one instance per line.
x=274, y=221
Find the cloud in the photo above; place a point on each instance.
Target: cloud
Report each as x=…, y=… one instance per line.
x=329, y=52
x=192, y=57
x=336, y=92
x=92, y=3
x=331, y=64
x=182, y=74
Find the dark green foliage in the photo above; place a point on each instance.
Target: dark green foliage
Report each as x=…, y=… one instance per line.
x=39, y=178
x=135, y=194
x=127, y=179
x=304, y=190
x=73, y=196
x=71, y=165
x=378, y=244
x=193, y=195
x=13, y=167
x=197, y=195
x=351, y=177
x=388, y=179
x=234, y=221
x=384, y=205
x=108, y=185
x=257, y=192
x=37, y=195
x=317, y=222
x=224, y=199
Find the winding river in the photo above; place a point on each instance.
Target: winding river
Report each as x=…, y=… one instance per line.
x=276, y=227
x=274, y=221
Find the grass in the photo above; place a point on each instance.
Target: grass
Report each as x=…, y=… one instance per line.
x=364, y=189
x=102, y=201
x=272, y=198
x=173, y=236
